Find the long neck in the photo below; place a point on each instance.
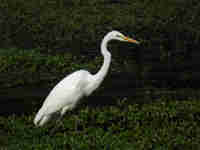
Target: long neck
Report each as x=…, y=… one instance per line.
x=100, y=75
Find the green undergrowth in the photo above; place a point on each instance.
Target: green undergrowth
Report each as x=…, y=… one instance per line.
x=159, y=125
x=80, y=25
x=32, y=67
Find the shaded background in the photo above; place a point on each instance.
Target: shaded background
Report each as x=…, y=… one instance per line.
x=167, y=61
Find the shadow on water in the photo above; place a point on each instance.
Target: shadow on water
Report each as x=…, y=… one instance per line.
x=29, y=100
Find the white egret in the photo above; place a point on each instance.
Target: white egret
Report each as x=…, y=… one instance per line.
x=72, y=88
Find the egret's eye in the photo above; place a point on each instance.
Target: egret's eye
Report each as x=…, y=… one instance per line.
x=119, y=36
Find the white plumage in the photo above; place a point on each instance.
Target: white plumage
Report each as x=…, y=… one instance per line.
x=72, y=88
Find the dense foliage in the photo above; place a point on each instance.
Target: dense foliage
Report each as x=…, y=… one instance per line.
x=34, y=68
x=168, y=31
x=43, y=40
x=164, y=25
x=162, y=124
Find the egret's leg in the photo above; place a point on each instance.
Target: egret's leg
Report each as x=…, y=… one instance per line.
x=61, y=114
x=58, y=120
x=64, y=111
x=57, y=123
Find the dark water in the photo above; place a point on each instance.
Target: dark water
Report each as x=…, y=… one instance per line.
x=115, y=87
x=25, y=100
x=29, y=100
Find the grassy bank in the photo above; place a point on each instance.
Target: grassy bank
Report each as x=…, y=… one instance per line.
x=161, y=125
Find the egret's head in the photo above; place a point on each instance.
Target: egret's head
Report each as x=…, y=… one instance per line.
x=116, y=35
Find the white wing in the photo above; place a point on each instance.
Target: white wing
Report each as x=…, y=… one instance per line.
x=67, y=92
x=64, y=95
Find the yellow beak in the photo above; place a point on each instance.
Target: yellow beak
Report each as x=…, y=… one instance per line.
x=131, y=40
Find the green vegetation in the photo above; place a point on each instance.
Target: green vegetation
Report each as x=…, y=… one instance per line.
x=43, y=41
x=61, y=24
x=168, y=31
x=32, y=67
x=159, y=125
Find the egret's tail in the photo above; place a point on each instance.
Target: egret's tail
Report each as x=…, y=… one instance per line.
x=41, y=118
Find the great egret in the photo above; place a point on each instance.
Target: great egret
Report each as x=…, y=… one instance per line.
x=72, y=88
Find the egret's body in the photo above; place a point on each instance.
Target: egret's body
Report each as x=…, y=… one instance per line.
x=72, y=88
